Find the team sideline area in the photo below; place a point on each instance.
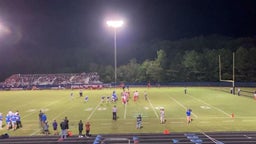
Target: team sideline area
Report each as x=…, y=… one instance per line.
x=173, y=138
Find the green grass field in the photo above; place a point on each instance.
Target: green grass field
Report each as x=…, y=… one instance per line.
x=212, y=108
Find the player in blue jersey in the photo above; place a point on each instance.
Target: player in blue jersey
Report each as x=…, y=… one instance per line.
x=1, y=120
x=86, y=98
x=8, y=121
x=188, y=113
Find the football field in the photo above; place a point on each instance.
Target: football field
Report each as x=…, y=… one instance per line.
x=212, y=109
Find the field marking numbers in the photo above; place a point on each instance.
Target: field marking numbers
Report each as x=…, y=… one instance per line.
x=88, y=109
x=205, y=107
x=102, y=108
x=32, y=112
x=151, y=105
x=94, y=110
x=218, y=109
x=182, y=106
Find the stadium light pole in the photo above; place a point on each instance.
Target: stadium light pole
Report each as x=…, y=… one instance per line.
x=115, y=24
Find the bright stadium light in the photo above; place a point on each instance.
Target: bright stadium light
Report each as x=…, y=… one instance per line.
x=115, y=24
x=4, y=29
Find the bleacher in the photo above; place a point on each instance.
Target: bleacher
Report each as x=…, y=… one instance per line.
x=60, y=79
x=157, y=138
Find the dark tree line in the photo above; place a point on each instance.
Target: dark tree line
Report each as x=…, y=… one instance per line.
x=194, y=59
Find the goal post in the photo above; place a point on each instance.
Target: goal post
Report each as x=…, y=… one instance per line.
x=233, y=75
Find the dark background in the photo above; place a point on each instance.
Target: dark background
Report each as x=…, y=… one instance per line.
x=56, y=36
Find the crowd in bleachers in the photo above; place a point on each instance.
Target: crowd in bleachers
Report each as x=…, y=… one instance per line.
x=21, y=80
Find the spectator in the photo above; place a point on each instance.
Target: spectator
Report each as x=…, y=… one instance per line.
x=80, y=128
x=87, y=129
x=67, y=123
x=63, y=127
x=114, y=111
x=46, y=128
x=40, y=119
x=55, y=127
x=18, y=120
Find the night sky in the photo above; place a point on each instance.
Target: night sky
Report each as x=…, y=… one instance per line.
x=67, y=24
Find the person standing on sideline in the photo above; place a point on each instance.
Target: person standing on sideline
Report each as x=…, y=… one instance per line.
x=114, y=111
x=87, y=129
x=63, y=129
x=162, y=113
x=188, y=113
x=238, y=91
x=40, y=118
x=81, y=93
x=185, y=90
x=139, y=121
x=67, y=123
x=55, y=127
x=145, y=95
x=80, y=128
x=18, y=118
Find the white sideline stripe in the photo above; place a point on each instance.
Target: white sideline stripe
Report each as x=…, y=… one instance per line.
x=218, y=109
x=125, y=105
x=94, y=110
x=151, y=105
x=182, y=106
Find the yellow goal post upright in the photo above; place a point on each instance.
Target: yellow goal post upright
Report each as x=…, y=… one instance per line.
x=232, y=80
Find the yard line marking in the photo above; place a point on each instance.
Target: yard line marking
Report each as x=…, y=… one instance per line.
x=125, y=110
x=218, y=109
x=151, y=105
x=94, y=110
x=182, y=106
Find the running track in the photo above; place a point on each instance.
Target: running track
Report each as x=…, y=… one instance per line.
x=173, y=138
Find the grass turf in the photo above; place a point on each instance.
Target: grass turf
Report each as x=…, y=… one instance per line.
x=211, y=110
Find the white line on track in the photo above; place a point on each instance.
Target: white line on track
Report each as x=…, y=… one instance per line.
x=218, y=109
x=182, y=106
x=151, y=105
x=94, y=110
x=210, y=138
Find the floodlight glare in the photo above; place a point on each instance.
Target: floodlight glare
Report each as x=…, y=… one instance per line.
x=115, y=24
